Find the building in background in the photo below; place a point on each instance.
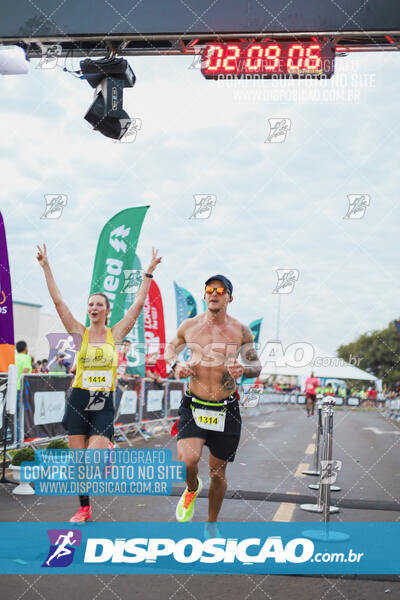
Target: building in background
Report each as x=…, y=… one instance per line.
x=32, y=325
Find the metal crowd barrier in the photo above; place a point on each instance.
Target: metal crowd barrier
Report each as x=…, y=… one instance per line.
x=327, y=474
x=393, y=408
x=273, y=397
x=268, y=397
x=138, y=402
x=7, y=418
x=173, y=397
x=320, y=430
x=41, y=406
x=291, y=398
x=127, y=407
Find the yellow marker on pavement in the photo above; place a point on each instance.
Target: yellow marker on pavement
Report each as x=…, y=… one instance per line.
x=301, y=467
x=310, y=449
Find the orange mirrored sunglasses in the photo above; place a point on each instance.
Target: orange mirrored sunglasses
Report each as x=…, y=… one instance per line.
x=210, y=290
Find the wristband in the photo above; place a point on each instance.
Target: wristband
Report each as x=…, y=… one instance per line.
x=149, y=275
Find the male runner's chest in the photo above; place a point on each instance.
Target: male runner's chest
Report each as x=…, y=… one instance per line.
x=226, y=340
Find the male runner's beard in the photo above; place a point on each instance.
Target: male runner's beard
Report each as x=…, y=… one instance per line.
x=214, y=310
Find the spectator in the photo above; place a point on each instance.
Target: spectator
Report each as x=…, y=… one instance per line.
x=152, y=371
x=258, y=383
x=36, y=366
x=329, y=390
x=23, y=362
x=62, y=365
x=123, y=358
x=372, y=395
x=43, y=367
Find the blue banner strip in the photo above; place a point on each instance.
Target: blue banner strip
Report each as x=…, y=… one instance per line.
x=117, y=472
x=200, y=548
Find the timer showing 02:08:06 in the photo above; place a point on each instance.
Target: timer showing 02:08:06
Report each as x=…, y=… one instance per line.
x=268, y=60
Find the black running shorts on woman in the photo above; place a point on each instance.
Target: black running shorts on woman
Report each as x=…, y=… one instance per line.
x=89, y=413
x=222, y=444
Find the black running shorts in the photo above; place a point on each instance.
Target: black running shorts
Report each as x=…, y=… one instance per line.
x=311, y=397
x=222, y=444
x=89, y=413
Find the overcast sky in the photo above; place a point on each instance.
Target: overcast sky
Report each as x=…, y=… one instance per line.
x=278, y=205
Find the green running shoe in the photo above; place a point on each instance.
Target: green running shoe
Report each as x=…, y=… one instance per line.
x=185, y=509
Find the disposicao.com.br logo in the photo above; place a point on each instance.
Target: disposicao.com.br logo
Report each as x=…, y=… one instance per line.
x=247, y=551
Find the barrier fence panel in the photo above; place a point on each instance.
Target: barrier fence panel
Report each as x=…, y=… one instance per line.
x=272, y=398
x=174, y=393
x=275, y=397
x=42, y=405
x=353, y=401
x=393, y=408
x=7, y=420
x=153, y=408
x=127, y=402
x=128, y=406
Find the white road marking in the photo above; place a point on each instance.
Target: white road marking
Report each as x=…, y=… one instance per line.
x=380, y=432
x=266, y=425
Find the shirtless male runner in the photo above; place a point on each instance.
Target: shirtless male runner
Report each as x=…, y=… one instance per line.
x=209, y=412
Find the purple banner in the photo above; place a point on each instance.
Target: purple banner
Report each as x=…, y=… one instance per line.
x=6, y=309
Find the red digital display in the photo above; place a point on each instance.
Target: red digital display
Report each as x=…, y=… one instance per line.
x=281, y=60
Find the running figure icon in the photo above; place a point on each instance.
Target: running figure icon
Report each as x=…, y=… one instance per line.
x=62, y=550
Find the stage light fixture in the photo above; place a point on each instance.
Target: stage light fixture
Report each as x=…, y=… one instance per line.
x=109, y=76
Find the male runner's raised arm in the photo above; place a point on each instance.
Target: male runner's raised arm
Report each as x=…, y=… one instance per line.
x=252, y=365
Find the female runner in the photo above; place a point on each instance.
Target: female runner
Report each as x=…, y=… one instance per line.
x=89, y=414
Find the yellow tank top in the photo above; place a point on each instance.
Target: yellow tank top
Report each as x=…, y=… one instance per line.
x=96, y=366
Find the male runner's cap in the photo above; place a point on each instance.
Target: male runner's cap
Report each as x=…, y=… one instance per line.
x=224, y=280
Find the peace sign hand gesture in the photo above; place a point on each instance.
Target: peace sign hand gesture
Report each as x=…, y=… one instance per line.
x=42, y=256
x=155, y=260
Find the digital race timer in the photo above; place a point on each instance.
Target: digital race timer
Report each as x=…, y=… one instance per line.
x=268, y=60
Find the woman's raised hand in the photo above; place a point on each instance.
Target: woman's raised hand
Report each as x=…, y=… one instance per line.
x=155, y=260
x=42, y=256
